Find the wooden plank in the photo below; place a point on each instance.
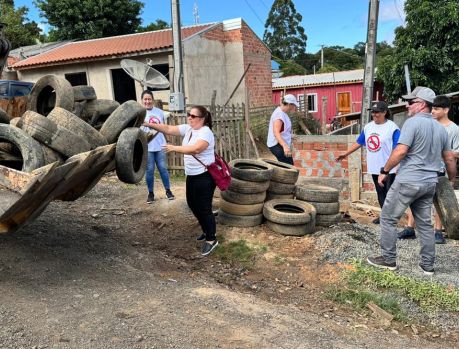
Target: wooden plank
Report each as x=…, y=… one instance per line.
x=380, y=312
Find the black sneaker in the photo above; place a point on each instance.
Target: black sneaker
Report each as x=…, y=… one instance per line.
x=407, y=233
x=150, y=198
x=427, y=270
x=169, y=194
x=380, y=262
x=201, y=237
x=209, y=247
x=439, y=238
x=376, y=221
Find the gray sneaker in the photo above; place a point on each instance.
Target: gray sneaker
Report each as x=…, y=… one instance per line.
x=209, y=247
x=380, y=262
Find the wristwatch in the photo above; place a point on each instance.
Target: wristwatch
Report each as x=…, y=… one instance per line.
x=383, y=172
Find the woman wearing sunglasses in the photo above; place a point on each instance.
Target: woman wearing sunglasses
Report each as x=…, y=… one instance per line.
x=198, y=147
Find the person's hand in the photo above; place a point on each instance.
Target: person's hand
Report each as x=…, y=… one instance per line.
x=341, y=157
x=168, y=148
x=287, y=151
x=381, y=179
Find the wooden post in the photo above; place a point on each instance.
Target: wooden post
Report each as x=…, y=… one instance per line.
x=354, y=161
x=324, y=115
x=247, y=128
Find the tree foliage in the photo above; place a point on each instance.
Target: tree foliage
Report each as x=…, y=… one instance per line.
x=19, y=30
x=283, y=34
x=90, y=19
x=158, y=25
x=429, y=44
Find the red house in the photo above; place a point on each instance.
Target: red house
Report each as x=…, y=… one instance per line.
x=343, y=91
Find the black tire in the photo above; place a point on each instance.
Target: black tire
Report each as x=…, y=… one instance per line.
x=77, y=126
x=325, y=207
x=292, y=230
x=131, y=155
x=4, y=118
x=239, y=221
x=30, y=149
x=282, y=172
x=128, y=114
x=97, y=108
x=247, y=187
x=316, y=193
x=83, y=93
x=251, y=170
x=16, y=122
x=243, y=199
x=49, y=92
x=281, y=188
x=325, y=220
x=289, y=212
x=272, y=196
x=51, y=155
x=56, y=137
x=447, y=207
x=240, y=210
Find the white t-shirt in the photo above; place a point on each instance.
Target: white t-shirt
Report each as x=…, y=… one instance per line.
x=154, y=116
x=207, y=156
x=286, y=132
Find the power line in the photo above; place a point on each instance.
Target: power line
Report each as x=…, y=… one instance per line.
x=398, y=11
x=254, y=12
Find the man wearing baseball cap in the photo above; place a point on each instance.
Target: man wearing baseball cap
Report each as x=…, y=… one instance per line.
x=422, y=144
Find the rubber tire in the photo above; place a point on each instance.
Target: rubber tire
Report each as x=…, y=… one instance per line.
x=16, y=122
x=325, y=207
x=243, y=199
x=281, y=188
x=247, y=187
x=131, y=155
x=272, y=196
x=239, y=221
x=30, y=149
x=51, y=155
x=40, y=99
x=240, y=210
x=292, y=230
x=4, y=118
x=289, y=212
x=447, y=207
x=99, y=107
x=282, y=172
x=56, y=137
x=77, y=126
x=316, y=193
x=251, y=170
x=83, y=93
x=325, y=220
x=128, y=114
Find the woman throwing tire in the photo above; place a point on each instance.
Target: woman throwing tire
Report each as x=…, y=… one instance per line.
x=380, y=137
x=198, y=143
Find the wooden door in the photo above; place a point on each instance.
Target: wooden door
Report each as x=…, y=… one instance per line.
x=344, y=102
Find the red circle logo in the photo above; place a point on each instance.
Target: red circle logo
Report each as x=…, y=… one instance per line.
x=373, y=143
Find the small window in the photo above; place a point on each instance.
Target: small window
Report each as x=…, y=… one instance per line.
x=20, y=90
x=312, y=102
x=77, y=79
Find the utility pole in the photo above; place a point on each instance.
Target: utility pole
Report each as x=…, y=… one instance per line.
x=322, y=56
x=176, y=99
x=196, y=13
x=370, y=52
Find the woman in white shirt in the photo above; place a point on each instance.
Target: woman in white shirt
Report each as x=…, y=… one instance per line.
x=198, y=144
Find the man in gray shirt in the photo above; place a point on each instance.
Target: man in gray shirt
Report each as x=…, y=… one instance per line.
x=422, y=144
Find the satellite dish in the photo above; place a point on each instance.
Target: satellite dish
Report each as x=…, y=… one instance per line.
x=144, y=74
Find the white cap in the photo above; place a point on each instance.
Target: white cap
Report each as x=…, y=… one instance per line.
x=421, y=92
x=290, y=99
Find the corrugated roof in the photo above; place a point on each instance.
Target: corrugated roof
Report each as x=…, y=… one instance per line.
x=319, y=79
x=111, y=46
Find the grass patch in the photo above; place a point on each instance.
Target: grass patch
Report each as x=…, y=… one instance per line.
x=239, y=252
x=279, y=260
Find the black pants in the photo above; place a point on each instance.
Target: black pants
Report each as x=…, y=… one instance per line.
x=382, y=191
x=278, y=152
x=199, y=194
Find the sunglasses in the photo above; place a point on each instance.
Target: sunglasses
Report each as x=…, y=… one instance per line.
x=193, y=116
x=413, y=102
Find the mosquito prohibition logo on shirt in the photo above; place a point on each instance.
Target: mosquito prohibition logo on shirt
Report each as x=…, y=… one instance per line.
x=374, y=142
x=154, y=120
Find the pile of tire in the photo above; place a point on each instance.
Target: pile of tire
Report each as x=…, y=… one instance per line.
x=58, y=124
x=325, y=201
x=282, y=184
x=290, y=217
x=242, y=204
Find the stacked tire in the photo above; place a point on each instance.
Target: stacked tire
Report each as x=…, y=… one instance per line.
x=290, y=217
x=325, y=201
x=282, y=184
x=242, y=204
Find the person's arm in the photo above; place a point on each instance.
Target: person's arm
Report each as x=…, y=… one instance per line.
x=167, y=129
x=450, y=163
x=193, y=149
x=277, y=127
x=360, y=142
x=395, y=157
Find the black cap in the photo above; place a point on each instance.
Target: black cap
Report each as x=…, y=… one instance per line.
x=379, y=106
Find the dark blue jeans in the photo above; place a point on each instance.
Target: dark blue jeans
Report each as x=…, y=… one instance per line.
x=278, y=152
x=199, y=194
x=158, y=158
x=382, y=191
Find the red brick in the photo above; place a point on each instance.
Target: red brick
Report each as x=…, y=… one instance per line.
x=314, y=172
x=342, y=146
x=303, y=172
x=326, y=173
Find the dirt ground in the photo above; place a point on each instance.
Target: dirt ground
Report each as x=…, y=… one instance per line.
x=110, y=271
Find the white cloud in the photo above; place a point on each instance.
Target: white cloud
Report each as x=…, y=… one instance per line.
x=392, y=10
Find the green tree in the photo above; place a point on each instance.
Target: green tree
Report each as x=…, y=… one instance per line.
x=291, y=68
x=19, y=30
x=429, y=44
x=158, y=25
x=90, y=19
x=283, y=34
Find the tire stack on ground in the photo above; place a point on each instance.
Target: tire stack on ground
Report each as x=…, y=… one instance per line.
x=242, y=204
x=324, y=199
x=290, y=217
x=57, y=126
x=282, y=185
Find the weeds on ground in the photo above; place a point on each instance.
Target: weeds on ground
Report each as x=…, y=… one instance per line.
x=279, y=260
x=239, y=252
